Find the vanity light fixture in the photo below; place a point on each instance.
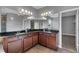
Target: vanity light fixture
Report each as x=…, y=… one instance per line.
x=24, y=12
x=46, y=13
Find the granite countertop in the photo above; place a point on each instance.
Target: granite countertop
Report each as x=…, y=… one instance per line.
x=46, y=30
x=28, y=31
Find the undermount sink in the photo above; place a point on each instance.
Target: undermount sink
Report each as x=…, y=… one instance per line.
x=48, y=31
x=20, y=33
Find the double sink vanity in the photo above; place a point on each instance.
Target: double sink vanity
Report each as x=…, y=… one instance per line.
x=24, y=41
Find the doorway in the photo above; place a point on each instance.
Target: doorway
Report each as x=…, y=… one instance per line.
x=69, y=30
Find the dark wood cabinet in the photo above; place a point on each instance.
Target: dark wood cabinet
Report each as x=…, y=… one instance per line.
x=12, y=44
x=48, y=40
x=27, y=43
x=42, y=39
x=51, y=42
x=35, y=40
x=21, y=43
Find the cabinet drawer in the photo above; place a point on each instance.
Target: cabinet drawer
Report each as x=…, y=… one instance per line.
x=15, y=47
x=10, y=39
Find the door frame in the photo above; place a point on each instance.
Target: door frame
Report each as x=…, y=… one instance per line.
x=60, y=29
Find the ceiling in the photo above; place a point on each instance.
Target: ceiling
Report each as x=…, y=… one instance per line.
x=38, y=7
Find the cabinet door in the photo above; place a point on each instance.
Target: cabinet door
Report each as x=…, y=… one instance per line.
x=27, y=43
x=42, y=40
x=35, y=40
x=15, y=46
x=51, y=42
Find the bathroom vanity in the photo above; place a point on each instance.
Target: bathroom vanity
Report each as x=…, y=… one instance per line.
x=23, y=42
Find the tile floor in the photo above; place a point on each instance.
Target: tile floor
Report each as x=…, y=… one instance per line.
x=41, y=49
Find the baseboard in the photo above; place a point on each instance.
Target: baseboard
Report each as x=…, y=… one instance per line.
x=59, y=46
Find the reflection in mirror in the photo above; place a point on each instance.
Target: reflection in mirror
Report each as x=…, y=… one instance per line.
x=3, y=23
x=32, y=24
x=49, y=23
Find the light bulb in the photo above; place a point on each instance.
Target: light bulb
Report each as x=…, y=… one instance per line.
x=49, y=12
x=46, y=13
x=25, y=11
x=22, y=10
x=28, y=12
x=31, y=13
